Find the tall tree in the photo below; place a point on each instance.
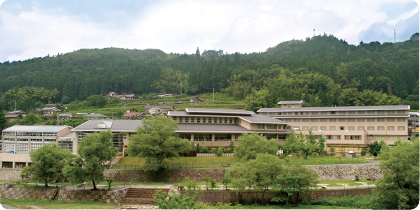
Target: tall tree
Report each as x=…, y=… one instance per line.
x=399, y=187
x=95, y=150
x=156, y=141
x=253, y=144
x=47, y=163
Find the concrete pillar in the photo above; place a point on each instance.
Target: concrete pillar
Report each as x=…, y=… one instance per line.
x=192, y=137
x=213, y=137
x=232, y=137
x=13, y=164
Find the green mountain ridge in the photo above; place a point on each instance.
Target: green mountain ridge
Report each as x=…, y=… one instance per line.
x=319, y=70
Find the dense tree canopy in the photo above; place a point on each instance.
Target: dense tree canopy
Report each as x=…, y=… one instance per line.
x=399, y=188
x=321, y=70
x=253, y=144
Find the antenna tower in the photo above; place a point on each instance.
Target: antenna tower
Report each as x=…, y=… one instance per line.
x=395, y=36
x=314, y=32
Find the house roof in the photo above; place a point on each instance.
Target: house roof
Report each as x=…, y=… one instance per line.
x=133, y=114
x=12, y=116
x=162, y=107
x=36, y=128
x=48, y=115
x=113, y=125
x=339, y=108
x=15, y=112
x=93, y=115
x=217, y=128
x=290, y=102
x=253, y=118
x=218, y=111
x=66, y=115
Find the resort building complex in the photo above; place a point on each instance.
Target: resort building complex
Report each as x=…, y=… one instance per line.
x=346, y=125
x=353, y=126
x=217, y=127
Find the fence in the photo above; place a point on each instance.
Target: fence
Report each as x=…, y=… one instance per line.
x=214, y=155
x=176, y=164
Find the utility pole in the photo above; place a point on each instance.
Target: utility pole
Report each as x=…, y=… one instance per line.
x=165, y=99
x=15, y=105
x=395, y=36
x=181, y=87
x=112, y=113
x=213, y=94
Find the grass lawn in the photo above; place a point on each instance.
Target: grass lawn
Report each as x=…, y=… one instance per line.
x=33, y=186
x=293, y=207
x=323, y=160
x=47, y=204
x=183, y=162
x=89, y=184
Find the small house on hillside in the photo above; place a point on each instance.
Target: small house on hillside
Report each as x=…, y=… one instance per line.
x=133, y=115
x=96, y=116
x=110, y=95
x=165, y=95
x=66, y=116
x=11, y=117
x=163, y=108
x=195, y=99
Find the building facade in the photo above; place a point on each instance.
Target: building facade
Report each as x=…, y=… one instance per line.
x=121, y=130
x=218, y=127
x=19, y=140
x=347, y=125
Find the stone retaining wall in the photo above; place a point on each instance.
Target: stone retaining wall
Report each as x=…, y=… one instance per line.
x=25, y=193
x=347, y=171
x=325, y=172
x=103, y=196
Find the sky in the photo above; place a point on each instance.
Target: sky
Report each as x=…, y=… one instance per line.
x=36, y=28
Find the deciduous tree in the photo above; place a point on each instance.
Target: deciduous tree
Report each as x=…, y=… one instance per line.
x=155, y=141
x=253, y=144
x=47, y=163
x=95, y=150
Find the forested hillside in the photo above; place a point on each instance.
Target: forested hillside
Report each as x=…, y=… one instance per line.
x=322, y=70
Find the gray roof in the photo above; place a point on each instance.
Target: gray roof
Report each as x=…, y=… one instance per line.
x=116, y=126
x=36, y=128
x=218, y=111
x=218, y=128
x=15, y=112
x=290, y=102
x=254, y=118
x=339, y=108
x=93, y=115
x=162, y=107
x=65, y=115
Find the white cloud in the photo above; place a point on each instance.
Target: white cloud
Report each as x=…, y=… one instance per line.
x=181, y=26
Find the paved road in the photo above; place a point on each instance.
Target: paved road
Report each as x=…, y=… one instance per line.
x=7, y=207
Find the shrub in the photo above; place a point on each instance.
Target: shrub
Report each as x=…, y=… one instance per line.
x=213, y=184
x=227, y=150
x=204, y=150
x=357, y=177
x=213, y=150
x=364, y=150
x=219, y=151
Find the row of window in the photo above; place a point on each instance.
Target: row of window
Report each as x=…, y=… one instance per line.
x=45, y=134
x=358, y=137
x=225, y=120
x=344, y=120
x=335, y=112
x=225, y=137
x=341, y=128
x=271, y=126
x=22, y=147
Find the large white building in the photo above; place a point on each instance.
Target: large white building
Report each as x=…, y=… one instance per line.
x=346, y=125
x=19, y=140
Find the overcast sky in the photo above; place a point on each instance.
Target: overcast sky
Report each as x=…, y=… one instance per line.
x=35, y=28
